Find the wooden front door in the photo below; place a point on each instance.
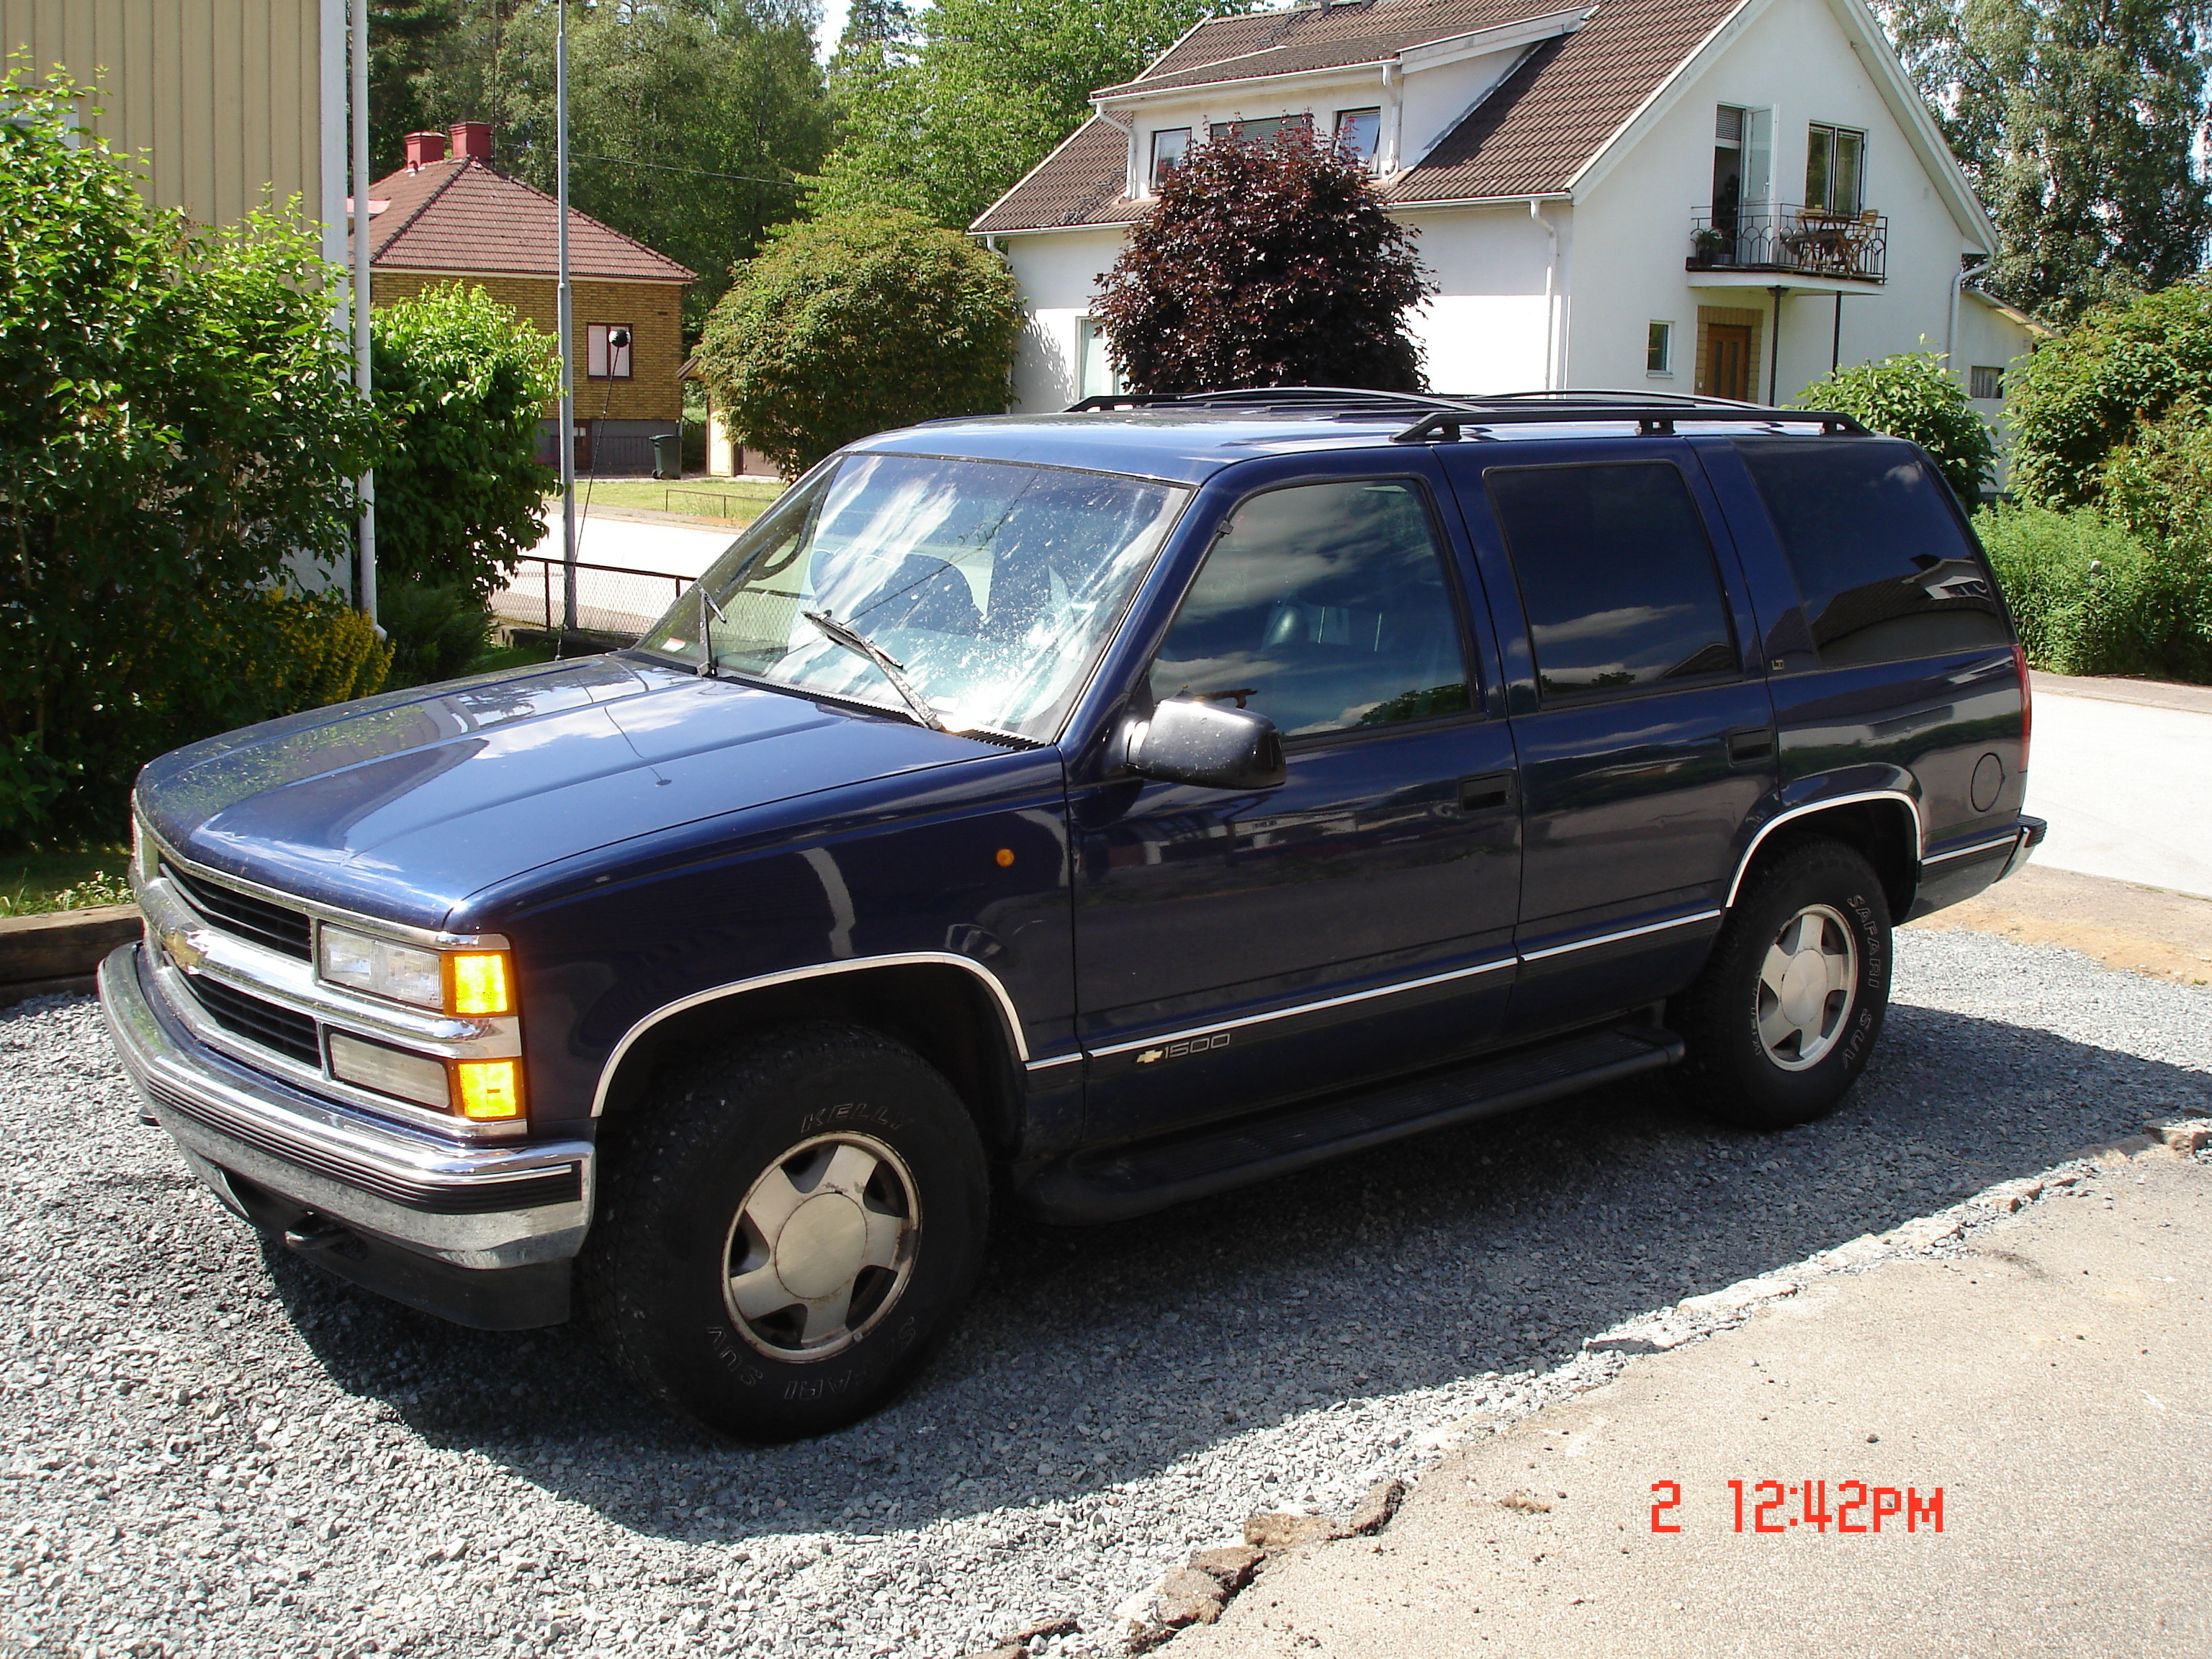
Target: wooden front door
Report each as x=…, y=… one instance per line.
x=1728, y=362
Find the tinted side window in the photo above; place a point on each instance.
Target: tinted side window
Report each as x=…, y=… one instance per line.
x=1616, y=575
x=1323, y=607
x=1882, y=566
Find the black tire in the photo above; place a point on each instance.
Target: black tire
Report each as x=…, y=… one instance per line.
x=1828, y=899
x=765, y=1135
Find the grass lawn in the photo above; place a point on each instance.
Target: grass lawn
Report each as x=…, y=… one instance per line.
x=36, y=884
x=739, y=501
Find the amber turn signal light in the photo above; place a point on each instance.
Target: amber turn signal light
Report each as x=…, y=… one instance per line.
x=488, y=1091
x=477, y=982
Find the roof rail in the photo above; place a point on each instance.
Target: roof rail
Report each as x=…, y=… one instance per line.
x=1652, y=418
x=1287, y=397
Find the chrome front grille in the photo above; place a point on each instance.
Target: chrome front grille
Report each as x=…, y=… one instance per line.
x=242, y=913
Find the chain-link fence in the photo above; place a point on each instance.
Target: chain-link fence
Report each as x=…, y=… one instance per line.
x=609, y=599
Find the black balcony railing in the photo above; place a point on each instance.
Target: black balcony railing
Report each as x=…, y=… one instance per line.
x=1799, y=240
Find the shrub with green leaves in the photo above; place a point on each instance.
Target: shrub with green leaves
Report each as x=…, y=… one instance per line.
x=177, y=427
x=854, y=323
x=1912, y=395
x=2090, y=597
x=2085, y=394
x=436, y=633
x=461, y=382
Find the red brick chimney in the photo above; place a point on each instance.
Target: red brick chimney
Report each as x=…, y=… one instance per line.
x=472, y=140
x=424, y=148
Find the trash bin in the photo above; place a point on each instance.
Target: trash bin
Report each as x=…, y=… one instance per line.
x=668, y=455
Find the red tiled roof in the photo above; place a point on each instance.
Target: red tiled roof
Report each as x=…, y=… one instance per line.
x=464, y=214
x=1540, y=127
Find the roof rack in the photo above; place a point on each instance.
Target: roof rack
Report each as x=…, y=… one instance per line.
x=1442, y=415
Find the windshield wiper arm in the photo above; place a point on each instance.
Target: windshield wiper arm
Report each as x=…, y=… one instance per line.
x=708, y=667
x=853, y=640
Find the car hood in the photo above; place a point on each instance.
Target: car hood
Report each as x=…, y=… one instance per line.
x=403, y=806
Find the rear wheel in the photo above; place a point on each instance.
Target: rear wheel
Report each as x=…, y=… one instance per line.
x=784, y=1232
x=1787, y=1012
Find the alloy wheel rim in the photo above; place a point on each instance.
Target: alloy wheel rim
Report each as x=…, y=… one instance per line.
x=1808, y=982
x=821, y=1247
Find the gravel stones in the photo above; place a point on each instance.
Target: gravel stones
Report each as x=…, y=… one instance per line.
x=209, y=1446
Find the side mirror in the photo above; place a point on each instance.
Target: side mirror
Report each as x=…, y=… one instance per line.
x=1208, y=744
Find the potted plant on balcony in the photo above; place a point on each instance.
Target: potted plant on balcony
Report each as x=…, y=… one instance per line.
x=1709, y=246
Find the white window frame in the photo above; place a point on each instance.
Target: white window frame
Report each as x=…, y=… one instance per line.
x=1666, y=369
x=1089, y=330
x=604, y=360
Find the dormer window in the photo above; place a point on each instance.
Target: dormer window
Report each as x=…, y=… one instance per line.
x=1170, y=146
x=1262, y=131
x=1360, y=133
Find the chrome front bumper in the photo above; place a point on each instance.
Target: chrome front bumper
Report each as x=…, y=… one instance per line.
x=484, y=1205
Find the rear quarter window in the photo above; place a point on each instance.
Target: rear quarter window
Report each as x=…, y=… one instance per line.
x=1884, y=573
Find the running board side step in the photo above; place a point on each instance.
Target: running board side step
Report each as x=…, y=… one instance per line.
x=1139, y=1177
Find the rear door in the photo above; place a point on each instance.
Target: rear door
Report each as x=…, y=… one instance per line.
x=1644, y=738
x=1235, y=948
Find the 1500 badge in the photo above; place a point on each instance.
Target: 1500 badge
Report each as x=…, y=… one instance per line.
x=1198, y=1045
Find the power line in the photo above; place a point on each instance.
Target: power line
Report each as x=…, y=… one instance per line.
x=703, y=172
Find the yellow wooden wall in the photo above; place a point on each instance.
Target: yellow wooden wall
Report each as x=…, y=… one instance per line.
x=226, y=94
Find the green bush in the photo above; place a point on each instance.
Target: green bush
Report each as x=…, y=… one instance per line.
x=1912, y=395
x=851, y=323
x=461, y=383
x=437, y=633
x=2085, y=394
x=2090, y=597
x=177, y=428
x=321, y=650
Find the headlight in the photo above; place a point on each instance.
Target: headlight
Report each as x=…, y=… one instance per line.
x=382, y=968
x=481, y=1090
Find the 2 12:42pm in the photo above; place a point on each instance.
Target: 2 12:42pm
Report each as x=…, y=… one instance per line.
x=1860, y=1508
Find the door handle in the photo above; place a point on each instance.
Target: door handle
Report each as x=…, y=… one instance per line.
x=1490, y=790
x=1753, y=743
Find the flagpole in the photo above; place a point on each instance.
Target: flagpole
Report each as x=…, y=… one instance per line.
x=566, y=324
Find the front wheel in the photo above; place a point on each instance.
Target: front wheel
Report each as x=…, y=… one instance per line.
x=1786, y=1013
x=780, y=1238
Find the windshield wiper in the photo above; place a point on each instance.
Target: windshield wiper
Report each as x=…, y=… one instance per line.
x=853, y=640
x=708, y=667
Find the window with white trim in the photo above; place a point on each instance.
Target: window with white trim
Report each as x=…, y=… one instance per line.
x=1170, y=146
x=1659, y=348
x=1360, y=133
x=607, y=352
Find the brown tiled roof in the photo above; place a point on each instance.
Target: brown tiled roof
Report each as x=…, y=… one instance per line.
x=1546, y=122
x=1308, y=38
x=467, y=215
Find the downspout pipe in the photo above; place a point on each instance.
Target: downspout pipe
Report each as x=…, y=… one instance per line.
x=1551, y=271
x=365, y=486
x=1951, y=319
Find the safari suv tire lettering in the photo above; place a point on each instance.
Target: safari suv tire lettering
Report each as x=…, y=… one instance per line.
x=755, y=1134
x=1733, y=1070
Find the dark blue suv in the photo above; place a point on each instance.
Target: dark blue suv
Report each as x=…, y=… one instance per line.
x=1094, y=812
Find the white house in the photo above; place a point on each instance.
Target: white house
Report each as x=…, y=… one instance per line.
x=1724, y=196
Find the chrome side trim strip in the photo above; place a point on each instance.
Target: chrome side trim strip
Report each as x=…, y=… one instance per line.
x=1626, y=933
x=1007, y=1012
x=1037, y=1066
x=2007, y=840
x=1919, y=834
x=1304, y=1008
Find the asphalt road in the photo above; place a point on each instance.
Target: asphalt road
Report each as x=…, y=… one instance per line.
x=2127, y=785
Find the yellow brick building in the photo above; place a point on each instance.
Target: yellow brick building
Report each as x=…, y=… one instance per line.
x=447, y=218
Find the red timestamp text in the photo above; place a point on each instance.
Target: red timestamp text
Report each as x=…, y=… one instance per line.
x=1776, y=1506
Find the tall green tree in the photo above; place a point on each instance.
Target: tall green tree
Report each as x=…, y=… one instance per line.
x=406, y=39
x=2080, y=123
x=944, y=125
x=689, y=121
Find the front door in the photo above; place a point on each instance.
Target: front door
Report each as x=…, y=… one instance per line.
x=1234, y=949
x=1644, y=744
x=1728, y=362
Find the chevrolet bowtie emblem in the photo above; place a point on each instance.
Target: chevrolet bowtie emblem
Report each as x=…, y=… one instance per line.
x=182, y=952
x=1149, y=1056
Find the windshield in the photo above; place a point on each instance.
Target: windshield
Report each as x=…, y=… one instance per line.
x=992, y=587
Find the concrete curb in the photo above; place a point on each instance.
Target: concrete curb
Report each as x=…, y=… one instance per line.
x=40, y=955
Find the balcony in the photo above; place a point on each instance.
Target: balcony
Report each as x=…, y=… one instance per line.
x=1791, y=240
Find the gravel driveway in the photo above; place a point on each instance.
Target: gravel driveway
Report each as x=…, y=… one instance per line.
x=209, y=1448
